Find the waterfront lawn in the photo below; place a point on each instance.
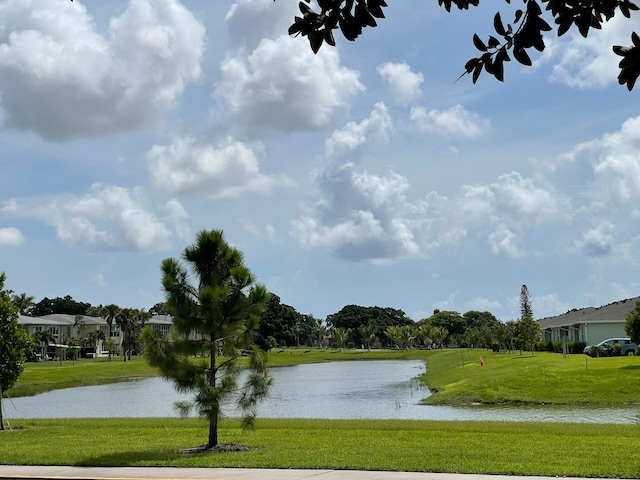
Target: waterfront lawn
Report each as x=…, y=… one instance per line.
x=546, y=378
x=39, y=377
x=578, y=450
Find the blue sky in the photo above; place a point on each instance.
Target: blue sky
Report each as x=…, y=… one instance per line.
x=362, y=175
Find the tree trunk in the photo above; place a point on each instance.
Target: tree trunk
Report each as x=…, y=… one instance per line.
x=213, y=421
x=1, y=418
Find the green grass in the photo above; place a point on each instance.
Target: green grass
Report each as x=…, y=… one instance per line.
x=45, y=376
x=546, y=378
x=605, y=451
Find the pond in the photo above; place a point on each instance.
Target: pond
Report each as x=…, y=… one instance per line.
x=382, y=389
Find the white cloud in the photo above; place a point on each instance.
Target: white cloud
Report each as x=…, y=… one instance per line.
x=10, y=237
x=590, y=62
x=615, y=162
x=108, y=218
x=504, y=243
x=599, y=240
x=359, y=216
x=283, y=85
x=62, y=79
x=250, y=21
x=224, y=170
x=514, y=196
x=456, y=122
x=354, y=135
x=403, y=83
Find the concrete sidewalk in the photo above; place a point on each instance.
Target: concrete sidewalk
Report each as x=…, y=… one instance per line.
x=137, y=473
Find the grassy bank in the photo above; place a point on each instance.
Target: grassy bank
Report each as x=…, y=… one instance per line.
x=45, y=376
x=546, y=378
x=605, y=451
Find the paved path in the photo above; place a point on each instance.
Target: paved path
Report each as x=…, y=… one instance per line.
x=137, y=473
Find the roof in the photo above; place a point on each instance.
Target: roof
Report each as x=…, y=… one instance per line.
x=611, y=313
x=25, y=320
x=160, y=320
x=67, y=319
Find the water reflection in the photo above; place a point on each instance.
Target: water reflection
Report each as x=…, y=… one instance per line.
x=338, y=390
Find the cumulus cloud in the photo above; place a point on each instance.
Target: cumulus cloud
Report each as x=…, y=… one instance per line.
x=107, y=218
x=590, y=62
x=250, y=21
x=283, y=85
x=615, y=162
x=456, y=123
x=10, y=237
x=504, y=242
x=224, y=170
x=403, y=83
x=354, y=135
x=359, y=216
x=513, y=196
x=63, y=79
x=598, y=241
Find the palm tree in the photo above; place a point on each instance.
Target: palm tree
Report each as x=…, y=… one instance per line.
x=368, y=333
x=224, y=308
x=79, y=323
x=109, y=313
x=24, y=302
x=340, y=335
x=45, y=338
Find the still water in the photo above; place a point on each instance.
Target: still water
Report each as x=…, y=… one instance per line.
x=338, y=390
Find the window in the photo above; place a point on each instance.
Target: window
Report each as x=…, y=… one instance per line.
x=162, y=329
x=55, y=331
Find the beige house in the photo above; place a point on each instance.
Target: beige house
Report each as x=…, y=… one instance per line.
x=590, y=325
x=63, y=326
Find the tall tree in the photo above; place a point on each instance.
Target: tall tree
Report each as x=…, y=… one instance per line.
x=224, y=308
x=520, y=37
x=14, y=343
x=109, y=313
x=528, y=333
x=131, y=321
x=525, y=302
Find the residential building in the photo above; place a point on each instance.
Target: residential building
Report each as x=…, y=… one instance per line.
x=590, y=325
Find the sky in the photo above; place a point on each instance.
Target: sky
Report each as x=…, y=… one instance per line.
x=365, y=174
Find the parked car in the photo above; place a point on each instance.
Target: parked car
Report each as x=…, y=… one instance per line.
x=612, y=347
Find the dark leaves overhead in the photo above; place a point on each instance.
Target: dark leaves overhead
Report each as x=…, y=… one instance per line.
x=525, y=32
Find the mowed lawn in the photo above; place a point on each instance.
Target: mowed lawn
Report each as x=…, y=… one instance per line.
x=602, y=451
x=545, y=378
x=549, y=449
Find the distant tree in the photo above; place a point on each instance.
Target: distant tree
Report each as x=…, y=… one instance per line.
x=159, y=308
x=65, y=305
x=352, y=317
x=45, y=338
x=279, y=321
x=224, y=307
x=131, y=322
x=632, y=325
x=402, y=336
x=528, y=333
x=525, y=302
x=340, y=335
x=109, y=313
x=79, y=323
x=527, y=31
x=439, y=335
x=14, y=343
x=109, y=344
x=454, y=323
x=24, y=303
x=95, y=337
x=368, y=334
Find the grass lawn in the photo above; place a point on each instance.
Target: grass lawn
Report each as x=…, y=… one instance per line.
x=546, y=378
x=585, y=450
x=605, y=451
